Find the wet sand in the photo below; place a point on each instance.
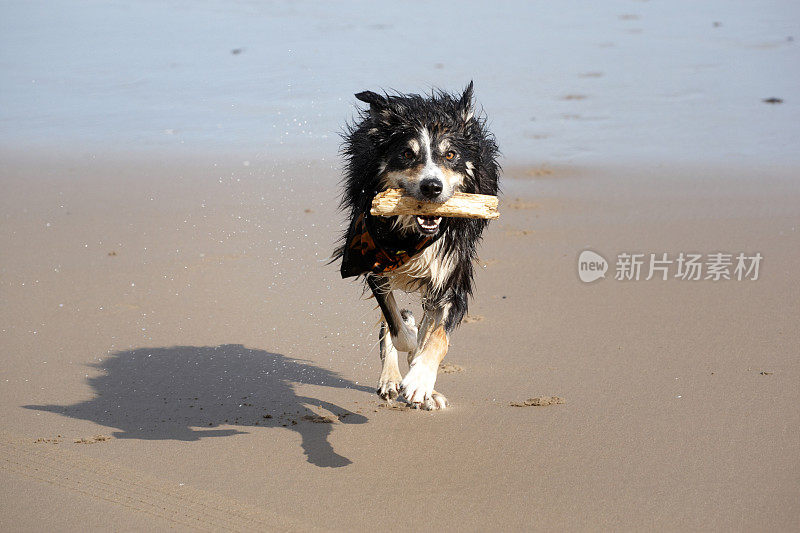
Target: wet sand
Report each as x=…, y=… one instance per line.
x=184, y=309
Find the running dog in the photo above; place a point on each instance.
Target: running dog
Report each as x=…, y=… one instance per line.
x=431, y=147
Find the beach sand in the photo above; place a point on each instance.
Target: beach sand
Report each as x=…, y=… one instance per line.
x=184, y=308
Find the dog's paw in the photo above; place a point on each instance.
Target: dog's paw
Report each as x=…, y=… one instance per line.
x=389, y=385
x=406, y=338
x=435, y=402
x=389, y=390
x=408, y=318
x=417, y=387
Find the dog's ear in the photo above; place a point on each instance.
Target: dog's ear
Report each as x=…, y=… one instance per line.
x=376, y=101
x=465, y=106
x=379, y=106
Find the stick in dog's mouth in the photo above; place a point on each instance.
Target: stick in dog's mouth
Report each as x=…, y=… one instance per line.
x=428, y=224
x=393, y=202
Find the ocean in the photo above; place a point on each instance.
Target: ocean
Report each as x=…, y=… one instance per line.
x=574, y=82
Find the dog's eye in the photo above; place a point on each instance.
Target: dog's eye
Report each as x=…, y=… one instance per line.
x=450, y=155
x=408, y=154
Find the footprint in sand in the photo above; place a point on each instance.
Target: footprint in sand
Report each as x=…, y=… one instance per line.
x=519, y=203
x=92, y=440
x=539, y=401
x=450, y=368
x=469, y=319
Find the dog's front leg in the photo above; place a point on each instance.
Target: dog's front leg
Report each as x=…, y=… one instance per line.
x=398, y=331
x=389, y=384
x=433, y=341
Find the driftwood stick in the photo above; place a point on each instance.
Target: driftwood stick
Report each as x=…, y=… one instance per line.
x=392, y=202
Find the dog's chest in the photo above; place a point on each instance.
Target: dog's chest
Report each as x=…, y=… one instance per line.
x=431, y=268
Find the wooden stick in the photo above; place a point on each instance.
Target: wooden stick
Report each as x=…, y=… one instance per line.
x=393, y=202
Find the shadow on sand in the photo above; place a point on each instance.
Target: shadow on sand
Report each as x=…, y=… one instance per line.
x=178, y=392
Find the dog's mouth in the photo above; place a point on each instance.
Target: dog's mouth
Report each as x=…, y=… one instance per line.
x=428, y=225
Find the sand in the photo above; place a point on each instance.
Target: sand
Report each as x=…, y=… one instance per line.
x=176, y=353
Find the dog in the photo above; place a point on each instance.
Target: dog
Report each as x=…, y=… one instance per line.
x=431, y=147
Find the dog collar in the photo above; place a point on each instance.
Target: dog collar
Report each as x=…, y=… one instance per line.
x=371, y=247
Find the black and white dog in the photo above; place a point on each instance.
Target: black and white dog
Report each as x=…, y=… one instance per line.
x=430, y=147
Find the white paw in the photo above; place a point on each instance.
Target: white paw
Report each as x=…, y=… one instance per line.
x=436, y=401
x=406, y=338
x=417, y=386
x=408, y=318
x=389, y=389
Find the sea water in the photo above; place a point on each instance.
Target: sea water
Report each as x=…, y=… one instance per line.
x=572, y=82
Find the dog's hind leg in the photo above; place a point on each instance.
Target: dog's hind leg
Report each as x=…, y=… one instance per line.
x=397, y=331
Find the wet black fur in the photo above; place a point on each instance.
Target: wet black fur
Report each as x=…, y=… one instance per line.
x=381, y=133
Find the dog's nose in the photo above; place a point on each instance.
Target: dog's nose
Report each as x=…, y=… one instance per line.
x=430, y=187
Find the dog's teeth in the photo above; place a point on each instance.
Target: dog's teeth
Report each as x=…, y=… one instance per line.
x=428, y=220
x=428, y=223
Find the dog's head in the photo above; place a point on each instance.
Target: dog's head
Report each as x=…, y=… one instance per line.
x=427, y=146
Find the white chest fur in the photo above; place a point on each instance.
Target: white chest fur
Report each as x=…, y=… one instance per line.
x=428, y=269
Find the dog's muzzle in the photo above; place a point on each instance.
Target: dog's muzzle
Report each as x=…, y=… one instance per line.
x=430, y=190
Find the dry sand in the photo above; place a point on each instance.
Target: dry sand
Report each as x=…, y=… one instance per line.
x=184, y=309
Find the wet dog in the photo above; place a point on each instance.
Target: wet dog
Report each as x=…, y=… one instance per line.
x=431, y=147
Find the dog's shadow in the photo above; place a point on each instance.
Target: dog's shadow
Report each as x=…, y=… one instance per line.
x=185, y=392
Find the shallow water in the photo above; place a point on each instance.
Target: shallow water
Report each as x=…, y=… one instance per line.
x=565, y=82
